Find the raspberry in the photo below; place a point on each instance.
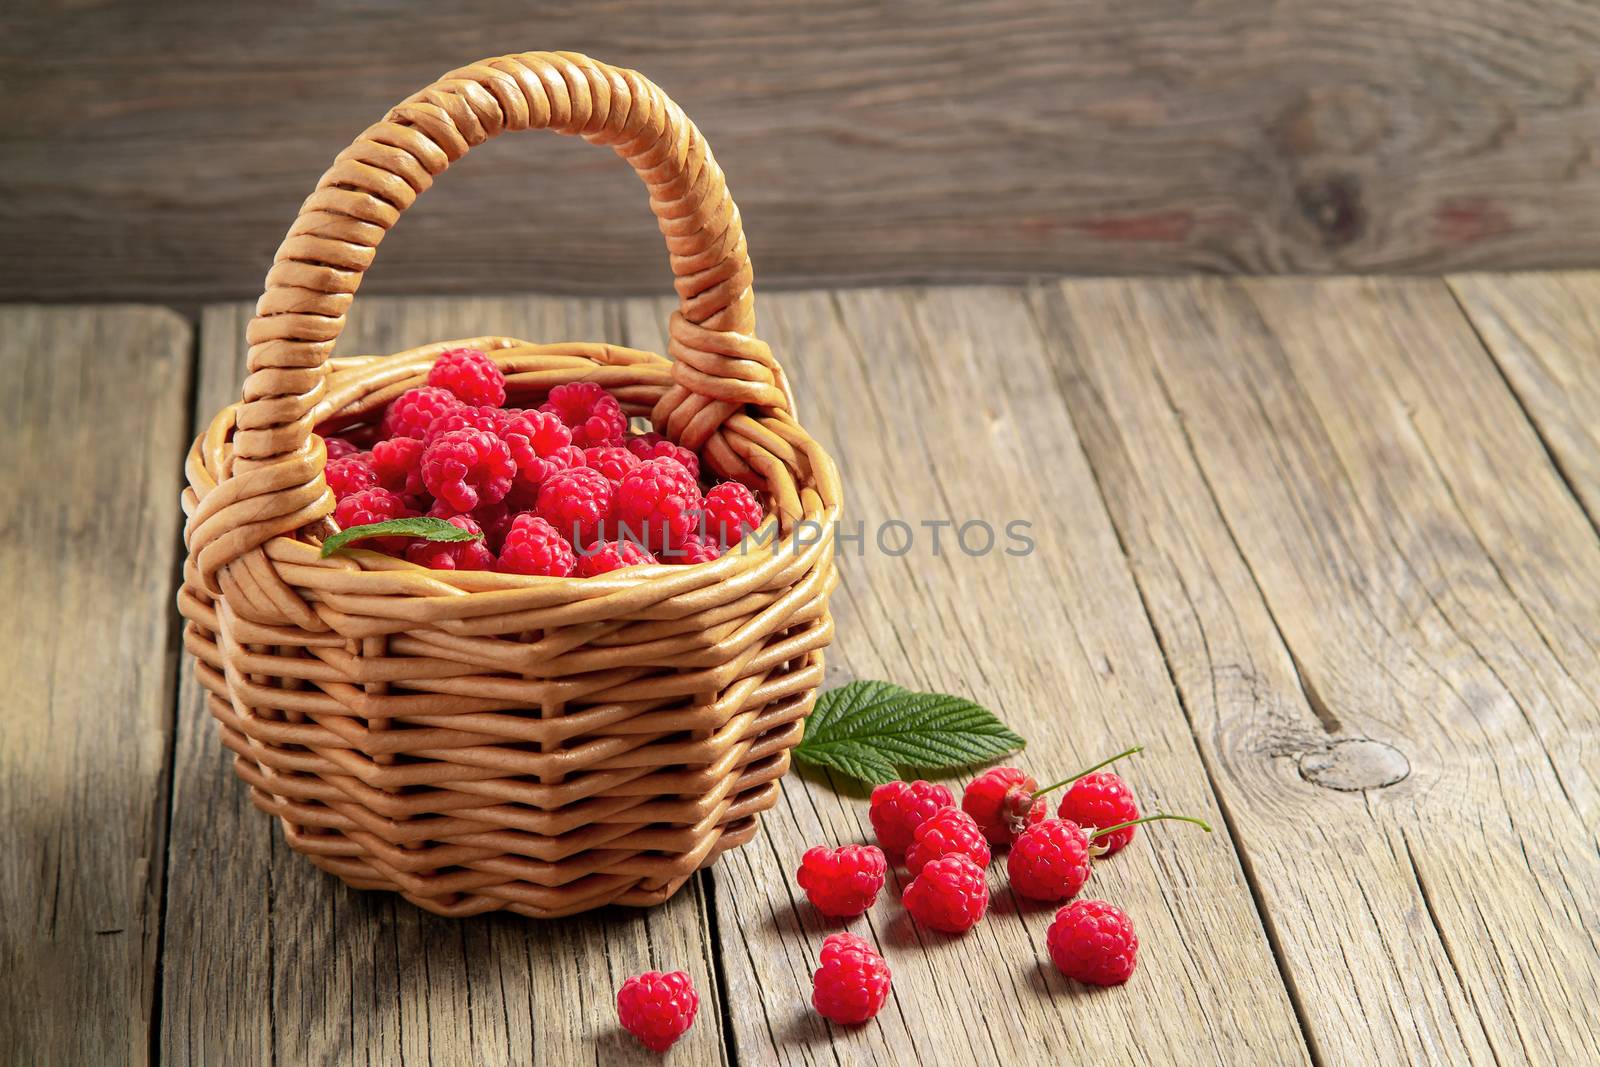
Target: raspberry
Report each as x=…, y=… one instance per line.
x=464, y=417
x=947, y=832
x=731, y=510
x=466, y=468
x=657, y=503
x=654, y=446
x=350, y=475
x=842, y=881
x=611, y=461
x=493, y=519
x=1093, y=942
x=367, y=507
x=1102, y=800
x=453, y=555
x=577, y=502
x=657, y=1008
x=398, y=462
x=607, y=556
x=593, y=414
x=409, y=414
x=852, y=984
x=898, y=808
x=693, y=550
x=472, y=376
x=1001, y=801
x=338, y=448
x=533, y=546
x=1050, y=860
x=950, y=894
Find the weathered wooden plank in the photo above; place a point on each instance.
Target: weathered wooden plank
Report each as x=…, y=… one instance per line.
x=864, y=140
x=1377, y=600
x=268, y=958
x=940, y=406
x=1544, y=332
x=94, y=413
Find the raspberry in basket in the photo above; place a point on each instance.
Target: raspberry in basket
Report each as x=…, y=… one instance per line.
x=338, y=448
x=350, y=475
x=731, y=510
x=654, y=446
x=576, y=501
x=610, y=460
x=539, y=443
x=410, y=413
x=367, y=507
x=493, y=519
x=533, y=546
x=472, y=376
x=609, y=556
x=464, y=416
x=467, y=467
x=694, y=550
x=453, y=555
x=593, y=415
x=398, y=463
x=658, y=504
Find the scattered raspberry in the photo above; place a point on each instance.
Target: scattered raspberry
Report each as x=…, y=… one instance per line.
x=852, y=984
x=898, y=808
x=654, y=446
x=593, y=414
x=693, y=550
x=409, y=414
x=606, y=556
x=1102, y=800
x=842, y=881
x=611, y=461
x=731, y=510
x=466, y=468
x=657, y=1008
x=1049, y=860
x=533, y=546
x=1093, y=942
x=472, y=376
x=947, y=832
x=1001, y=801
x=338, y=448
x=950, y=894
x=398, y=462
x=463, y=417
x=453, y=555
x=367, y=507
x=577, y=502
x=350, y=475
x=657, y=503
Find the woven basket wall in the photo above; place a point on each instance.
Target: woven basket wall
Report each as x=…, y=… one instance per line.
x=474, y=740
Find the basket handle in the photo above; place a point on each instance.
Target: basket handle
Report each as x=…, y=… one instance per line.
x=720, y=366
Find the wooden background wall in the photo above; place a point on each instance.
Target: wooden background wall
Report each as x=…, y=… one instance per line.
x=157, y=150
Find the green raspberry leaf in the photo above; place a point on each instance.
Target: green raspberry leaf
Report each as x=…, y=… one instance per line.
x=875, y=731
x=429, y=529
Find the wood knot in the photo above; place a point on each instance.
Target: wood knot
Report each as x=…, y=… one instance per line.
x=1332, y=203
x=1354, y=764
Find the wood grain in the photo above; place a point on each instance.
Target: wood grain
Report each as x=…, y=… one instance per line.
x=1377, y=601
x=94, y=413
x=1544, y=332
x=269, y=960
x=940, y=407
x=865, y=141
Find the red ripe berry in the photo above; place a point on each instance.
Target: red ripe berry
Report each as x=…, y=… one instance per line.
x=842, y=881
x=466, y=468
x=593, y=415
x=463, y=417
x=577, y=502
x=453, y=555
x=1049, y=861
x=731, y=511
x=470, y=375
x=410, y=413
x=539, y=444
x=898, y=808
x=657, y=1008
x=852, y=985
x=606, y=556
x=1002, y=803
x=367, y=507
x=350, y=475
x=493, y=519
x=657, y=504
x=693, y=550
x=533, y=546
x=947, y=832
x=398, y=463
x=611, y=461
x=654, y=446
x=338, y=448
x=1093, y=942
x=951, y=894
x=1102, y=800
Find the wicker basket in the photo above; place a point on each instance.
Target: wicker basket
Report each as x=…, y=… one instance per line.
x=477, y=741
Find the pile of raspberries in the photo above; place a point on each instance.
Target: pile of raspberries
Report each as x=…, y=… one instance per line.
x=561, y=489
x=946, y=851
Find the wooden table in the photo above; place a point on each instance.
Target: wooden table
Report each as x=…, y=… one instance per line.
x=1328, y=549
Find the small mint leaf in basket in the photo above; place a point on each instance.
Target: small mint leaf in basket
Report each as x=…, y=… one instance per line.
x=874, y=731
x=427, y=528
